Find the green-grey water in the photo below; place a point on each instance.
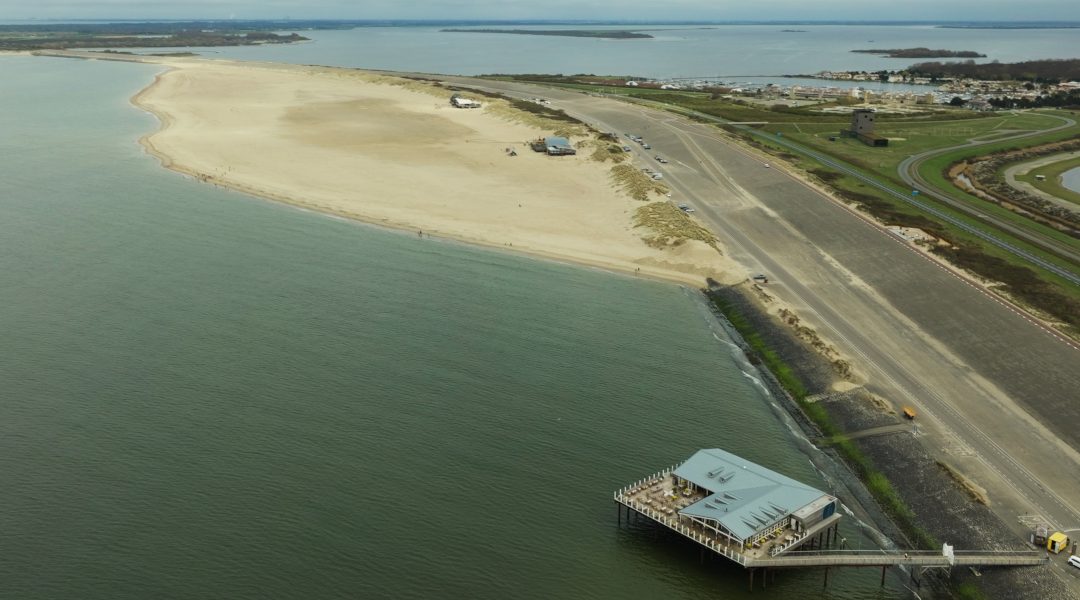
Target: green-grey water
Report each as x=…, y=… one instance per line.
x=207, y=395
x=1071, y=179
x=735, y=52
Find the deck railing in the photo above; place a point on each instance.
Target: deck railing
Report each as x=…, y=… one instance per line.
x=673, y=522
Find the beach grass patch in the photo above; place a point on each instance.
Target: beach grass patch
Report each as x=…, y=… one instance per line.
x=604, y=151
x=537, y=116
x=670, y=226
x=635, y=183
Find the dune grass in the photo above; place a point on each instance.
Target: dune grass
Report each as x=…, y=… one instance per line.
x=670, y=226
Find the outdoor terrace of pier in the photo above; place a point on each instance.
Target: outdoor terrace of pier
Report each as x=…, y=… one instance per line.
x=658, y=498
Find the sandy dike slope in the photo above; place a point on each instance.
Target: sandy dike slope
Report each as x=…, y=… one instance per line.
x=393, y=152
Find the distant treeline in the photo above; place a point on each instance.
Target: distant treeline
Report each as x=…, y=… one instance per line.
x=1070, y=99
x=923, y=53
x=591, y=33
x=580, y=78
x=167, y=27
x=1039, y=71
x=102, y=37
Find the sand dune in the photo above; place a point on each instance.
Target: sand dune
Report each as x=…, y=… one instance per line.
x=393, y=152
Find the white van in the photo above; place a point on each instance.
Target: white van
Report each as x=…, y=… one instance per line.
x=1074, y=560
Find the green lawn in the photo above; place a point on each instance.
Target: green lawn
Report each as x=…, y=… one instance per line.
x=915, y=138
x=906, y=138
x=933, y=172
x=1051, y=184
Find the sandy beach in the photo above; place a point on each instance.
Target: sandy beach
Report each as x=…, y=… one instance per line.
x=394, y=152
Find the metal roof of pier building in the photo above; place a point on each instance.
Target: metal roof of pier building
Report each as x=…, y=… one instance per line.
x=745, y=497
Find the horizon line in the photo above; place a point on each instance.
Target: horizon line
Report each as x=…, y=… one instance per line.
x=554, y=21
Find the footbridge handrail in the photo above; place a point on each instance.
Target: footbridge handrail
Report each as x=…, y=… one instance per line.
x=926, y=558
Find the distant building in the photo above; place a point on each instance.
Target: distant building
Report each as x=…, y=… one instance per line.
x=862, y=121
x=862, y=128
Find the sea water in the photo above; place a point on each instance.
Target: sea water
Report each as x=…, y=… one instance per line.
x=674, y=51
x=1071, y=179
x=210, y=395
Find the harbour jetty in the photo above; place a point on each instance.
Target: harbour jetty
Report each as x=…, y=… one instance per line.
x=761, y=519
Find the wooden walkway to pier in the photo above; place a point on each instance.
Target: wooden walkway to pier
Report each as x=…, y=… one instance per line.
x=894, y=558
x=840, y=558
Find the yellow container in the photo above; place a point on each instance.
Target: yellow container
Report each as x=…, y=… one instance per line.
x=1057, y=542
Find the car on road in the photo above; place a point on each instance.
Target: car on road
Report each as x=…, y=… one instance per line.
x=766, y=165
x=661, y=159
x=626, y=148
x=686, y=208
x=646, y=146
x=1074, y=560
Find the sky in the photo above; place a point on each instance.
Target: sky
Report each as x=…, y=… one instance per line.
x=918, y=10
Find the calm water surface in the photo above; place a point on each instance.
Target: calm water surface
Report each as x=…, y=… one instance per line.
x=723, y=50
x=209, y=395
x=1071, y=179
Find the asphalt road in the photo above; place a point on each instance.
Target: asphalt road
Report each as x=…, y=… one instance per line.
x=909, y=172
x=998, y=394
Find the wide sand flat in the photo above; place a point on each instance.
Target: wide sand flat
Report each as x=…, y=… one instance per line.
x=366, y=147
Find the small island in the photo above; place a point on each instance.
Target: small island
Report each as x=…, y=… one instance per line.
x=590, y=33
x=29, y=37
x=922, y=53
x=1021, y=25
